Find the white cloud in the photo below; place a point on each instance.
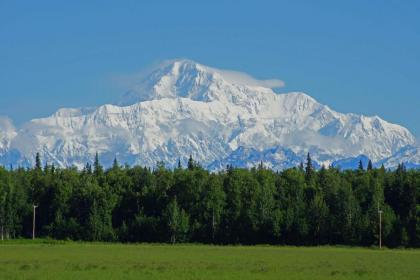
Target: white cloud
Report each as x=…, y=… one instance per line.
x=127, y=81
x=6, y=123
x=245, y=79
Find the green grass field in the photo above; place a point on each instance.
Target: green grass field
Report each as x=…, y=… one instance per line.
x=43, y=260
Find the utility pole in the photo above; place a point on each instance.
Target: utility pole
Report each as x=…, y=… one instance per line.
x=33, y=222
x=380, y=227
x=213, y=225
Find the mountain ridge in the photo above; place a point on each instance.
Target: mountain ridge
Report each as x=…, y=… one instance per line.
x=184, y=108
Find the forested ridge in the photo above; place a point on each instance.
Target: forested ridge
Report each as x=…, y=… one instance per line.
x=298, y=206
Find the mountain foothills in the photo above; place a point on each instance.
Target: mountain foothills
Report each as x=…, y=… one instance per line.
x=183, y=108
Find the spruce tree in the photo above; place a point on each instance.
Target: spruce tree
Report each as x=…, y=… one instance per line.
x=370, y=165
x=115, y=164
x=191, y=163
x=38, y=162
x=309, y=168
x=301, y=166
x=383, y=170
x=97, y=168
x=361, y=165
x=88, y=168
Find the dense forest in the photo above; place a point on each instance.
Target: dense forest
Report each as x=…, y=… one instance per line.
x=298, y=206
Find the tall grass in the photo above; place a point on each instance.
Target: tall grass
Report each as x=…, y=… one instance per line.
x=46, y=259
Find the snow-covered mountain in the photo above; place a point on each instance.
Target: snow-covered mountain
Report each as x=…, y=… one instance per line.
x=409, y=156
x=219, y=117
x=7, y=133
x=351, y=163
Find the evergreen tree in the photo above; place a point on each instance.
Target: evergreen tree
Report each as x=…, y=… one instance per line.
x=370, y=166
x=88, y=168
x=115, y=164
x=361, y=165
x=191, y=163
x=301, y=167
x=38, y=165
x=97, y=167
x=382, y=169
x=309, y=170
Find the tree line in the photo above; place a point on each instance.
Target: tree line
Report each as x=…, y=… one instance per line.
x=297, y=206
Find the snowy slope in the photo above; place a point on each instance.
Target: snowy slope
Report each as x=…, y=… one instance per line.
x=351, y=163
x=217, y=116
x=7, y=133
x=276, y=158
x=409, y=155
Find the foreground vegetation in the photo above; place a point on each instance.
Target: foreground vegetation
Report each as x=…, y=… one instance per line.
x=116, y=261
x=299, y=206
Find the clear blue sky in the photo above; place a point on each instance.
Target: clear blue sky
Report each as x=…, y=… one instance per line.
x=355, y=56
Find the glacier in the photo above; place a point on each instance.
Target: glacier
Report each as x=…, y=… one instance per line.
x=182, y=108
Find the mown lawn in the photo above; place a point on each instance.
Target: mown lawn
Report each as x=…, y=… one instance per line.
x=116, y=261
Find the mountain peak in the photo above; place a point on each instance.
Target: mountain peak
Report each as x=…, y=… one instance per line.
x=184, y=78
x=179, y=67
x=182, y=62
x=170, y=79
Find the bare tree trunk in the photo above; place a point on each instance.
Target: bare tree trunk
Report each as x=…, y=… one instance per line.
x=2, y=233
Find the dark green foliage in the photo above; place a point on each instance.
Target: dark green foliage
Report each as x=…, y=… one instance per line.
x=38, y=162
x=298, y=206
x=361, y=168
x=177, y=221
x=370, y=165
x=309, y=168
x=191, y=163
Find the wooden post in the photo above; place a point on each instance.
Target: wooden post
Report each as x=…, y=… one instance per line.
x=33, y=222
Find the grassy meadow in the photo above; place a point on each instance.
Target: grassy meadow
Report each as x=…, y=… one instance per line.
x=71, y=260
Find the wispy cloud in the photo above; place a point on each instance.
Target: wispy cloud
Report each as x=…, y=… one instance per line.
x=128, y=81
x=243, y=78
x=6, y=123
